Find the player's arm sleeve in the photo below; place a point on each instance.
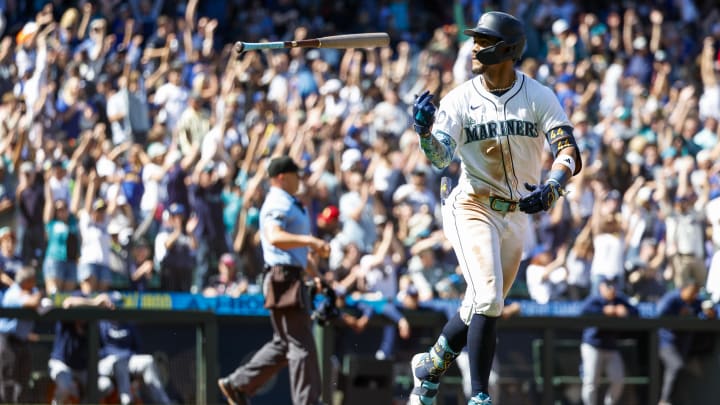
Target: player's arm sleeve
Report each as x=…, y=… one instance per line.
x=556, y=126
x=562, y=141
x=440, y=146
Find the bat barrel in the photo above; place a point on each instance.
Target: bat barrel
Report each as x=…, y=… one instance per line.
x=365, y=40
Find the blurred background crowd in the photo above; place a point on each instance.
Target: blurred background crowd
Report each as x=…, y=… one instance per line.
x=133, y=144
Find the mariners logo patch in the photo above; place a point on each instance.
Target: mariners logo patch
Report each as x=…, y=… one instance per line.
x=442, y=117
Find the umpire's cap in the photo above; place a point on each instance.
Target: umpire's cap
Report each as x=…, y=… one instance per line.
x=282, y=164
x=508, y=29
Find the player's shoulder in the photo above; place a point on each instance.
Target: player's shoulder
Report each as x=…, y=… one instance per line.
x=454, y=100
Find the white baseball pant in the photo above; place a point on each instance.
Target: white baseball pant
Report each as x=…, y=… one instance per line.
x=488, y=245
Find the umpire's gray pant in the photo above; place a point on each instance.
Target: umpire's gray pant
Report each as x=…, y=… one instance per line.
x=292, y=345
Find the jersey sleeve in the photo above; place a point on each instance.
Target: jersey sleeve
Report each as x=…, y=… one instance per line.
x=549, y=112
x=554, y=123
x=441, y=145
x=448, y=120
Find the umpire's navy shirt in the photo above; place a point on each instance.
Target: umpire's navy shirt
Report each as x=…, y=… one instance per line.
x=603, y=339
x=281, y=208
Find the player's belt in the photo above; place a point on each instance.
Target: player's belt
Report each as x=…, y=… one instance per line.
x=502, y=205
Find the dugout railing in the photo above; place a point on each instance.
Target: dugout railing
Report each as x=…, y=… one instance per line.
x=204, y=322
x=551, y=328
x=208, y=340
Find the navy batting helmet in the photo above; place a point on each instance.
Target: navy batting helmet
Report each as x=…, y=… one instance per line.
x=510, y=32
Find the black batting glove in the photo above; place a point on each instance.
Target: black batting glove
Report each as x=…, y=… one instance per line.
x=423, y=113
x=542, y=197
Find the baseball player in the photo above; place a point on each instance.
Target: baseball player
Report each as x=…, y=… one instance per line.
x=496, y=123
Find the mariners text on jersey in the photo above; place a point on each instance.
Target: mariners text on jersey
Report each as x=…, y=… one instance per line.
x=488, y=130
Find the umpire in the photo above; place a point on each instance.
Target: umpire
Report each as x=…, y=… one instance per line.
x=286, y=242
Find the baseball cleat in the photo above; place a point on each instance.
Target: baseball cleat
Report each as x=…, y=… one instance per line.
x=480, y=399
x=425, y=385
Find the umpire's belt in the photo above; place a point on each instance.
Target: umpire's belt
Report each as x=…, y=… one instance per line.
x=502, y=205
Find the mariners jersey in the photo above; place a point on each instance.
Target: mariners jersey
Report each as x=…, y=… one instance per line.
x=500, y=139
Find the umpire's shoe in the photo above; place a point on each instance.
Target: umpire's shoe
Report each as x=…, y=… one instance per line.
x=232, y=394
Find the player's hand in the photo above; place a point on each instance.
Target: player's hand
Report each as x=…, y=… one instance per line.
x=423, y=113
x=542, y=197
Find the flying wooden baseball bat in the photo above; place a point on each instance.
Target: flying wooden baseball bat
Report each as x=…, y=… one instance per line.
x=366, y=40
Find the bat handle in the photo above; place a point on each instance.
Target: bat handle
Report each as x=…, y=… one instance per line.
x=254, y=46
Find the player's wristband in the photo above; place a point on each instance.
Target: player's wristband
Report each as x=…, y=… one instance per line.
x=558, y=178
x=567, y=161
x=422, y=130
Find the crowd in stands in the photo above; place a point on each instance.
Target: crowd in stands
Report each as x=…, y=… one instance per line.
x=134, y=143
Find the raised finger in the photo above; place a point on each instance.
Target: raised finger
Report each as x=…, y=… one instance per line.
x=423, y=97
